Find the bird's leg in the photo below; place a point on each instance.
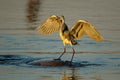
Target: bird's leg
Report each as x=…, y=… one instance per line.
x=59, y=58
x=72, y=56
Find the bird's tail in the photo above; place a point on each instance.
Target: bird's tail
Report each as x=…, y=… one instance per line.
x=75, y=42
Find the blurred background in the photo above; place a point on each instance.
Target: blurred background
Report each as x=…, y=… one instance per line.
x=19, y=19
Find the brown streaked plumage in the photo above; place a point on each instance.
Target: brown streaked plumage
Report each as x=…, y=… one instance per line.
x=57, y=23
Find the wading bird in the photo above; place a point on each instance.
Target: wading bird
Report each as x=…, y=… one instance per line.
x=57, y=23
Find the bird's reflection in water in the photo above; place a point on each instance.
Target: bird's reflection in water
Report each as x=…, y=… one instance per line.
x=73, y=76
x=33, y=7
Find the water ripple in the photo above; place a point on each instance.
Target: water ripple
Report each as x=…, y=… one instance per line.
x=22, y=60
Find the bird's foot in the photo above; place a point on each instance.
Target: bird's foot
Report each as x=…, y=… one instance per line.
x=69, y=63
x=58, y=59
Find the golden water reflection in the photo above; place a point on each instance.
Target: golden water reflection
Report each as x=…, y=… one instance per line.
x=73, y=76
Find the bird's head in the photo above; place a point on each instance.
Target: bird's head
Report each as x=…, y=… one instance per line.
x=62, y=19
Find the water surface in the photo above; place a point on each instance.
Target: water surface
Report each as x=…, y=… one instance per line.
x=21, y=44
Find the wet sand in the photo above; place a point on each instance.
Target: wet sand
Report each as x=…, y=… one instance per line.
x=21, y=44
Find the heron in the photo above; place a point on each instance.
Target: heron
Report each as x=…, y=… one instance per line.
x=69, y=36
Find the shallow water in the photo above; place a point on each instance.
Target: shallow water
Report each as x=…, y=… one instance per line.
x=96, y=66
x=21, y=45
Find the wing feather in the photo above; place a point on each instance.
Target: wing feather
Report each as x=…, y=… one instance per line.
x=52, y=24
x=77, y=30
x=84, y=27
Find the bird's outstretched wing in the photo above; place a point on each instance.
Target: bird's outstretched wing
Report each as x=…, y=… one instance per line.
x=84, y=27
x=52, y=24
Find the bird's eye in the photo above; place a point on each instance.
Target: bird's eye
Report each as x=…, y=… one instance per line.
x=60, y=20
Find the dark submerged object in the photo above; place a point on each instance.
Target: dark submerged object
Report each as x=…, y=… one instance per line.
x=53, y=63
x=26, y=61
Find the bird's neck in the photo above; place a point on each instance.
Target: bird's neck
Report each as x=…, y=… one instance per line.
x=63, y=28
